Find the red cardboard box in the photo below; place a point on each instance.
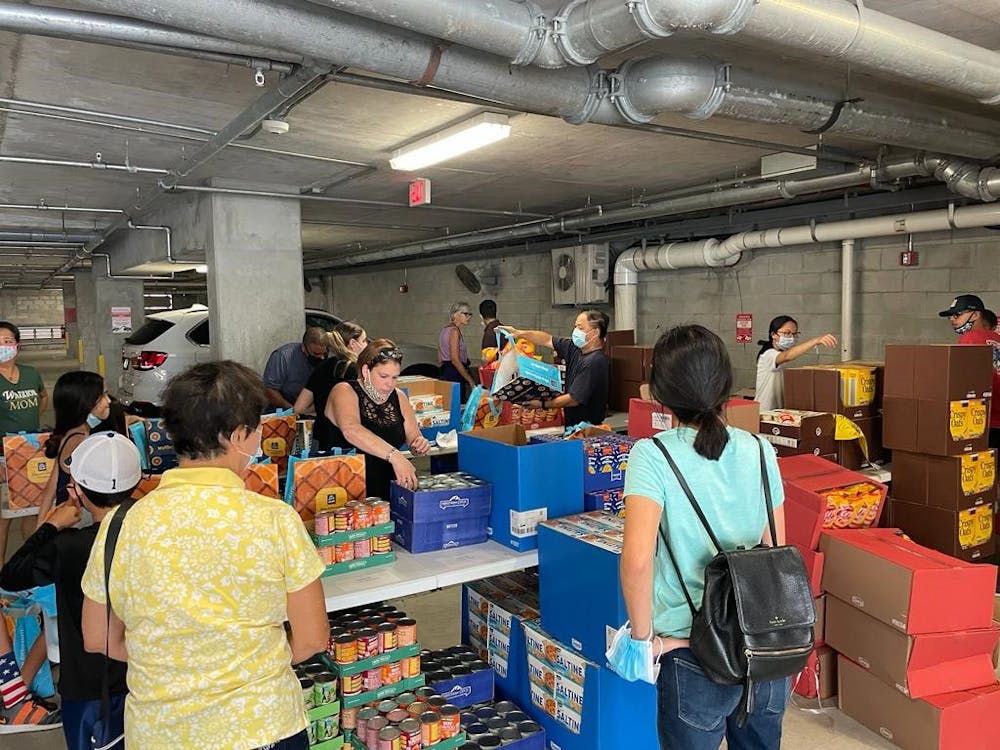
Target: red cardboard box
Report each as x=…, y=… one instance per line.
x=952, y=482
x=805, y=465
x=968, y=720
x=941, y=428
x=916, y=665
x=912, y=588
x=814, y=566
x=647, y=418
x=936, y=372
x=808, y=510
x=965, y=534
x=819, y=677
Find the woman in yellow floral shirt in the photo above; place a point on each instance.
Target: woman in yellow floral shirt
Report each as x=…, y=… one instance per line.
x=204, y=576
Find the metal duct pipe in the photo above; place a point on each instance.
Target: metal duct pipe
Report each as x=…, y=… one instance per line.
x=711, y=199
x=575, y=94
x=107, y=263
x=83, y=164
x=47, y=207
x=74, y=238
x=168, y=236
x=847, y=300
x=119, y=31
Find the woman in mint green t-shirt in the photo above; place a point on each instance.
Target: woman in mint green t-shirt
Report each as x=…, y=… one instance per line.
x=692, y=376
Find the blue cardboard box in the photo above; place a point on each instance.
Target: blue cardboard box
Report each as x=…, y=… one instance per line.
x=434, y=505
x=451, y=397
x=579, y=557
x=467, y=690
x=605, y=457
x=610, y=501
x=583, y=705
x=530, y=482
x=435, y=535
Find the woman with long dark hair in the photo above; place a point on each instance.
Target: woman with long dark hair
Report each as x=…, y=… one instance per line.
x=692, y=376
x=80, y=403
x=779, y=347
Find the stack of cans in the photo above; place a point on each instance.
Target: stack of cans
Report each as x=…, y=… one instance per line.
x=451, y=663
x=357, y=515
x=490, y=727
x=452, y=481
x=319, y=688
x=410, y=721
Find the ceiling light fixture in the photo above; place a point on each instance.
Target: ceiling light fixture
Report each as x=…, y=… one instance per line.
x=201, y=269
x=482, y=130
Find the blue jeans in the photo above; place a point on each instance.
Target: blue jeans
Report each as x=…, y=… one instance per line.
x=298, y=741
x=694, y=713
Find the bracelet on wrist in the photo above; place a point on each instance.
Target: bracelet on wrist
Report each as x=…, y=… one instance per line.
x=388, y=456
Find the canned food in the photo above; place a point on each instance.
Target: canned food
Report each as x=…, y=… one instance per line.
x=364, y=716
x=343, y=552
x=476, y=730
x=380, y=512
x=489, y=742
x=406, y=632
x=403, y=700
x=528, y=727
x=349, y=718
x=387, y=637
x=367, y=644
x=468, y=718
x=516, y=717
x=449, y=663
x=410, y=666
x=308, y=688
x=509, y=736
x=381, y=544
x=469, y=657
x=345, y=649
x=311, y=732
x=436, y=703
x=374, y=621
x=372, y=679
x=430, y=728
x=326, y=688
x=343, y=519
x=410, y=730
x=387, y=706
x=362, y=516
x=392, y=673
x=486, y=713
x=451, y=722
x=423, y=693
x=504, y=707
x=496, y=723
x=397, y=715
x=350, y=684
x=394, y=616
x=327, y=555
x=375, y=726
x=437, y=676
x=362, y=549
x=321, y=524
x=470, y=745
x=417, y=708
x=327, y=728
x=390, y=738
x=312, y=670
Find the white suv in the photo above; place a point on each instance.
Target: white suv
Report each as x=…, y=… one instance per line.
x=171, y=342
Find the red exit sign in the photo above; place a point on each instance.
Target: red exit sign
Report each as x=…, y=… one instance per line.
x=420, y=191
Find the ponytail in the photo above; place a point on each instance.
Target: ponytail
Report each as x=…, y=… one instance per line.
x=712, y=436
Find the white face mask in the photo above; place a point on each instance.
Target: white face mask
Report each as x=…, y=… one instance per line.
x=256, y=455
x=7, y=353
x=93, y=420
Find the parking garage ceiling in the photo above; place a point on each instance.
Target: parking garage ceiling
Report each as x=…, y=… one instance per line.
x=87, y=102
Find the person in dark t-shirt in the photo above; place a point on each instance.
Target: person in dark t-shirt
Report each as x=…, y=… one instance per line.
x=488, y=312
x=587, y=367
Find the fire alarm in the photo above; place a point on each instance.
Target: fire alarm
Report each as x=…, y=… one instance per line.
x=908, y=258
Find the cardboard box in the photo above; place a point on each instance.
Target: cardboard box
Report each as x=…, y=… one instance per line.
x=835, y=389
x=605, y=457
x=819, y=677
x=953, y=482
x=849, y=453
x=470, y=498
x=589, y=542
x=437, y=535
x=965, y=534
x=631, y=363
x=467, y=690
x=916, y=665
x=610, y=501
x=805, y=465
x=530, y=482
x=647, y=418
x=934, y=372
x=940, y=428
x=621, y=392
x=793, y=432
x=815, y=503
x=819, y=629
x=450, y=395
x=968, y=720
x=618, y=338
x=912, y=588
x=814, y=567
x=582, y=705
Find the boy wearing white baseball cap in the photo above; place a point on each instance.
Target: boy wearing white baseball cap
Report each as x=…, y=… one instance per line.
x=104, y=469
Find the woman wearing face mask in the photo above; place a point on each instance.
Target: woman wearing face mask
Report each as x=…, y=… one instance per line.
x=370, y=414
x=587, y=367
x=80, y=403
x=345, y=342
x=453, y=355
x=780, y=347
x=204, y=578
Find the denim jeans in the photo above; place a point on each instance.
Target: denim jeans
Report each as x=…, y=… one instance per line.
x=298, y=741
x=694, y=713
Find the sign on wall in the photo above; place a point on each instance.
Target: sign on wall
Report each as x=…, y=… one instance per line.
x=744, y=328
x=121, y=320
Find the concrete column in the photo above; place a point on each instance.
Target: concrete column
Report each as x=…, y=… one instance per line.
x=70, y=318
x=86, y=319
x=255, y=295
x=106, y=343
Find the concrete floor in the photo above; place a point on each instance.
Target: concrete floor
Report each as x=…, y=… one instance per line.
x=438, y=614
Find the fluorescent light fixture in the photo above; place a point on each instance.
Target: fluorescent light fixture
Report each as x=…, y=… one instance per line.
x=201, y=269
x=467, y=136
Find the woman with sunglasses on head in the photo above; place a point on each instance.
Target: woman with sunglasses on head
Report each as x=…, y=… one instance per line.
x=369, y=414
x=453, y=355
x=780, y=347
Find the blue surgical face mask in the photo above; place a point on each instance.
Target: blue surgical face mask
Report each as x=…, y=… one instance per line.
x=632, y=660
x=93, y=420
x=786, y=342
x=7, y=353
x=579, y=338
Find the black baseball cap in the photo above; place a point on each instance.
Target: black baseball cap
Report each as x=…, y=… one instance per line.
x=963, y=303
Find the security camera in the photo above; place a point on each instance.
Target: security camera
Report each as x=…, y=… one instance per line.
x=274, y=127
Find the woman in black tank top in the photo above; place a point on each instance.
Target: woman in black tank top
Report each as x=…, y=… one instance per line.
x=369, y=414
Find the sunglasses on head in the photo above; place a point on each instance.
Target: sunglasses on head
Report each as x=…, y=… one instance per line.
x=386, y=354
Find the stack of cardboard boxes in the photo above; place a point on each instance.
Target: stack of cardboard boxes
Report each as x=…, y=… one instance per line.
x=937, y=407
x=850, y=389
x=630, y=369
x=914, y=631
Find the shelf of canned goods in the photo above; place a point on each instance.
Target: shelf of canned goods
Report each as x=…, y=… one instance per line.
x=414, y=574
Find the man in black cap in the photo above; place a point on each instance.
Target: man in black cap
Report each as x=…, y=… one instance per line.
x=967, y=315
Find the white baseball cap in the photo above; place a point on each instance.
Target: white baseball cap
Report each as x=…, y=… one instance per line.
x=106, y=462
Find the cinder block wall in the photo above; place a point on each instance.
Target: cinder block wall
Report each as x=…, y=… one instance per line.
x=893, y=303
x=32, y=306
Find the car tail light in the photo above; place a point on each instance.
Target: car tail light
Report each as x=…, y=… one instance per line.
x=149, y=360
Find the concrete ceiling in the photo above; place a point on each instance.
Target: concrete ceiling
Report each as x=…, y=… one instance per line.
x=546, y=167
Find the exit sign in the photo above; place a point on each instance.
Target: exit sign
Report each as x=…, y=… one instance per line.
x=420, y=191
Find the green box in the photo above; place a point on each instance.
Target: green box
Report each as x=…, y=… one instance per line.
x=365, y=562
x=449, y=744
x=403, y=652
x=321, y=712
x=387, y=691
x=343, y=537
x=330, y=744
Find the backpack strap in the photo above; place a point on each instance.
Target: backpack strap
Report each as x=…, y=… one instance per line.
x=767, y=494
x=110, y=541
